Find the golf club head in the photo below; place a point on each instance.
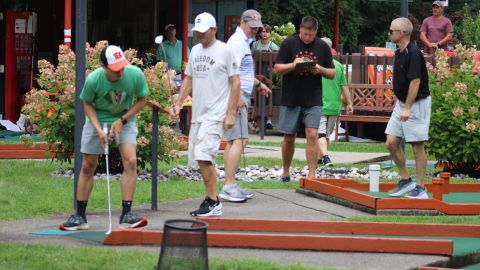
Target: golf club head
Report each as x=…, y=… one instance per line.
x=159, y=39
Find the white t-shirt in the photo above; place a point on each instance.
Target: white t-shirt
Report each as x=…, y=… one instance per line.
x=210, y=69
x=240, y=45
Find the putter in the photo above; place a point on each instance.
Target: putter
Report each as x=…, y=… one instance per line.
x=105, y=131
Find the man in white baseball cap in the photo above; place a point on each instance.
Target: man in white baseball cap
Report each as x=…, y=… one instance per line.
x=212, y=78
x=112, y=94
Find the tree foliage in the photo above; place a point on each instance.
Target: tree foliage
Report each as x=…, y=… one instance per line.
x=362, y=22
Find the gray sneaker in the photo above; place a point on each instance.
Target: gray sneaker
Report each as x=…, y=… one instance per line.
x=403, y=187
x=246, y=192
x=232, y=193
x=418, y=192
x=132, y=220
x=74, y=223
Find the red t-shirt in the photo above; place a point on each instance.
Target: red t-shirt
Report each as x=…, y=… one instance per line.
x=436, y=29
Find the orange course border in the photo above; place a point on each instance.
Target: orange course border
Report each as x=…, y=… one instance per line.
x=341, y=188
x=20, y=151
x=292, y=242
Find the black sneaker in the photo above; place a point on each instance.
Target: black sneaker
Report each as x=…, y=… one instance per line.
x=207, y=209
x=320, y=161
x=74, y=223
x=286, y=178
x=327, y=161
x=132, y=220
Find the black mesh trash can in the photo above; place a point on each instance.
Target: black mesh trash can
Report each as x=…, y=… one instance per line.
x=184, y=245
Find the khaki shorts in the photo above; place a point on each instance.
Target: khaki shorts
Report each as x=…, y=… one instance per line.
x=327, y=124
x=415, y=129
x=204, y=142
x=240, y=128
x=91, y=143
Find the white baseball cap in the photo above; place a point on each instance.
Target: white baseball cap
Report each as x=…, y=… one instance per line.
x=114, y=58
x=203, y=22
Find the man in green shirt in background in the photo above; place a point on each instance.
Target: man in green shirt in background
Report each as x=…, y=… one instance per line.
x=332, y=106
x=170, y=50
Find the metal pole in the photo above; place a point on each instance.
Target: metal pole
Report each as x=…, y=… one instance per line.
x=262, y=116
x=404, y=8
x=80, y=41
x=154, y=157
x=185, y=34
x=336, y=26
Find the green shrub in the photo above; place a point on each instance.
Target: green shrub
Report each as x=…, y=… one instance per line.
x=280, y=33
x=52, y=107
x=471, y=28
x=455, y=120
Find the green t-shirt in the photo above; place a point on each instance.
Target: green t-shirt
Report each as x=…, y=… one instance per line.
x=332, y=91
x=113, y=99
x=173, y=54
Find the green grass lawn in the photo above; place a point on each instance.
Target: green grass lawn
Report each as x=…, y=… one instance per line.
x=28, y=190
x=39, y=257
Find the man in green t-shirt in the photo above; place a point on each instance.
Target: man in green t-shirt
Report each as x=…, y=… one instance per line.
x=170, y=50
x=112, y=94
x=332, y=107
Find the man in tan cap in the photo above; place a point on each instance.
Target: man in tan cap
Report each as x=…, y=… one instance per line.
x=237, y=137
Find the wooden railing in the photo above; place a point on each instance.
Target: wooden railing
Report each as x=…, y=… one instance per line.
x=356, y=66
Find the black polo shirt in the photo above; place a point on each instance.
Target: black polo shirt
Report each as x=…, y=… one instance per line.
x=303, y=89
x=409, y=65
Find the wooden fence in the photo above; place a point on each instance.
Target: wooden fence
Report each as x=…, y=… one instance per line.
x=356, y=66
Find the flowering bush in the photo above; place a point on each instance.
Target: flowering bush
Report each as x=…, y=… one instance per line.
x=51, y=108
x=279, y=34
x=455, y=120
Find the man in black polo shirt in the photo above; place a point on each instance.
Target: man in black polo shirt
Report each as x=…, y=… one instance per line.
x=303, y=60
x=411, y=116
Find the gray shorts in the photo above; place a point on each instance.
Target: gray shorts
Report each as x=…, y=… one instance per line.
x=327, y=124
x=91, y=143
x=290, y=118
x=415, y=129
x=204, y=142
x=240, y=128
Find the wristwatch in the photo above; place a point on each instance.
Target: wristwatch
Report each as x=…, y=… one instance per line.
x=258, y=84
x=124, y=120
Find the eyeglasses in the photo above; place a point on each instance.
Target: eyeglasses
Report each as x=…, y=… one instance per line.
x=391, y=31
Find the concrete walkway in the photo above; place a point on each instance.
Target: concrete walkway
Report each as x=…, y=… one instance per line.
x=337, y=157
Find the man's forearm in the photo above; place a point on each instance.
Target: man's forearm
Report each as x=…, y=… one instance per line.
x=283, y=68
x=141, y=101
x=185, y=90
x=348, y=97
x=91, y=114
x=234, y=95
x=412, y=93
x=446, y=39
